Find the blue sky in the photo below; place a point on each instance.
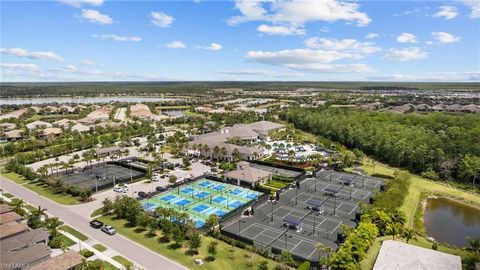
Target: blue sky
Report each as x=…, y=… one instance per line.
x=101, y=40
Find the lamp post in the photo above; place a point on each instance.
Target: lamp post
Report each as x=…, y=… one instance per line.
x=286, y=236
x=296, y=190
x=240, y=221
x=271, y=213
x=334, y=204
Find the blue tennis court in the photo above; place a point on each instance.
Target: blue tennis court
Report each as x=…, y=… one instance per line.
x=202, y=198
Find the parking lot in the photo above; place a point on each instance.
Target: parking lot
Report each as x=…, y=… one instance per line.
x=306, y=216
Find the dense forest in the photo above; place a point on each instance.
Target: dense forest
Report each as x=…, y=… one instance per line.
x=132, y=88
x=437, y=145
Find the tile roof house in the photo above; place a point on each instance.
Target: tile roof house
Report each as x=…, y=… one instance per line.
x=37, y=125
x=51, y=132
x=396, y=255
x=13, y=135
x=4, y=208
x=247, y=176
x=69, y=260
x=11, y=229
x=14, y=114
x=8, y=126
x=80, y=128
x=10, y=217
x=27, y=257
x=26, y=239
x=65, y=123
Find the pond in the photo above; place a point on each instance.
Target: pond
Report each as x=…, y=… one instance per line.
x=174, y=113
x=450, y=221
x=79, y=100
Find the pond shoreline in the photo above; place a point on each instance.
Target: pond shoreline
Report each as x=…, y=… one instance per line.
x=450, y=200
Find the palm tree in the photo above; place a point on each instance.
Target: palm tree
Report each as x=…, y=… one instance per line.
x=409, y=234
x=206, y=150
x=216, y=151
x=324, y=249
x=52, y=225
x=474, y=244
x=223, y=152
x=236, y=155
x=17, y=206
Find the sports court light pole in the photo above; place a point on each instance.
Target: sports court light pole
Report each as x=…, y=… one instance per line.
x=334, y=204
x=313, y=222
x=240, y=221
x=296, y=189
x=271, y=213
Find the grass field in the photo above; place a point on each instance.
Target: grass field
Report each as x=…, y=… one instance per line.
x=74, y=232
x=41, y=189
x=66, y=241
x=95, y=213
x=225, y=259
x=108, y=266
x=123, y=261
x=99, y=247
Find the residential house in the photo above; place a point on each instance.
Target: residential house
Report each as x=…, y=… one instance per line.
x=51, y=132
x=69, y=260
x=38, y=125
x=80, y=128
x=65, y=123
x=8, y=126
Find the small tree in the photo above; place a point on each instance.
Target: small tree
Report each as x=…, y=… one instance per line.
x=263, y=265
x=172, y=179
x=195, y=242
x=107, y=206
x=212, y=250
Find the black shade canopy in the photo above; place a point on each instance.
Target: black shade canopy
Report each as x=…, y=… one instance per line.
x=314, y=203
x=292, y=221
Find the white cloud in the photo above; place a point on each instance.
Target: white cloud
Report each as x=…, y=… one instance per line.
x=70, y=68
x=175, y=45
x=20, y=67
x=213, y=47
x=407, y=38
x=19, y=52
x=341, y=45
x=447, y=12
x=280, y=30
x=444, y=37
x=308, y=60
x=117, y=38
x=473, y=76
x=475, y=6
x=161, y=19
x=371, y=36
x=259, y=72
x=295, y=13
x=79, y=3
x=408, y=54
x=95, y=16
x=87, y=62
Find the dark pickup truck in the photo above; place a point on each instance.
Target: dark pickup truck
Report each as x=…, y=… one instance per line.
x=96, y=224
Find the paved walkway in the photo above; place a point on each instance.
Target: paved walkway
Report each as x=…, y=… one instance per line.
x=136, y=253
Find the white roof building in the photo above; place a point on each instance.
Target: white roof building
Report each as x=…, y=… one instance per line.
x=396, y=255
x=38, y=124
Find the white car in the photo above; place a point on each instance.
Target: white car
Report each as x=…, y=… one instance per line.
x=120, y=189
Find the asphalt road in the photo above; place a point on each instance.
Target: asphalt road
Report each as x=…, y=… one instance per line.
x=141, y=256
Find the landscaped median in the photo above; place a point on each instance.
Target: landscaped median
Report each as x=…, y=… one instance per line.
x=228, y=257
x=41, y=189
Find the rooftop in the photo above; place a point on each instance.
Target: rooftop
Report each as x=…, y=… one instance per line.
x=63, y=261
x=396, y=255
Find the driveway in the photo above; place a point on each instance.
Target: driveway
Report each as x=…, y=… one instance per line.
x=138, y=254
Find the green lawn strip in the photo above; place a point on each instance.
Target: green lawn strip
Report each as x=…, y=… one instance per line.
x=66, y=241
x=108, y=266
x=74, y=232
x=99, y=247
x=30, y=208
x=42, y=189
x=8, y=195
x=369, y=261
x=423, y=242
x=123, y=261
x=225, y=259
x=96, y=213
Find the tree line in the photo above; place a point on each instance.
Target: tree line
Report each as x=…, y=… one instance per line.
x=437, y=145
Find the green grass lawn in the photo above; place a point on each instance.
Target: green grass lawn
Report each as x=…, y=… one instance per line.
x=96, y=213
x=66, y=241
x=178, y=107
x=369, y=261
x=99, y=247
x=74, y=232
x=123, y=261
x=41, y=189
x=8, y=195
x=108, y=266
x=225, y=259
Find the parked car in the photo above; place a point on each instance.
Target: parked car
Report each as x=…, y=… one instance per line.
x=159, y=189
x=96, y=224
x=109, y=230
x=142, y=194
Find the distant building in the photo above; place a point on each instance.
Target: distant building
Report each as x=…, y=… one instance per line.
x=51, y=132
x=13, y=135
x=38, y=125
x=69, y=260
x=107, y=151
x=396, y=255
